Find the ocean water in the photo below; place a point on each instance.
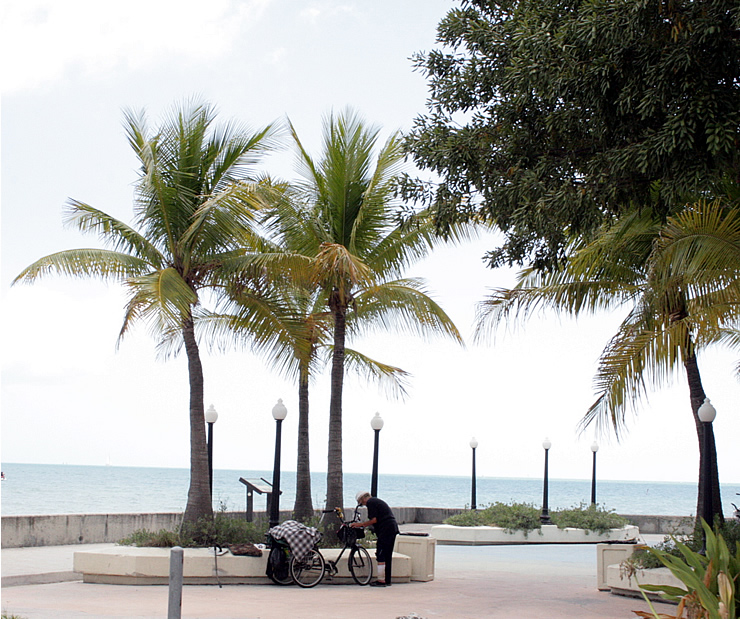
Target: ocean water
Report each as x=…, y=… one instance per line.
x=33, y=489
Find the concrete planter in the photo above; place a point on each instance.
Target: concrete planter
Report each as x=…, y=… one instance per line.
x=547, y=534
x=421, y=550
x=622, y=584
x=611, y=576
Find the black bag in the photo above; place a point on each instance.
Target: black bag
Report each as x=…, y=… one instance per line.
x=277, y=563
x=348, y=535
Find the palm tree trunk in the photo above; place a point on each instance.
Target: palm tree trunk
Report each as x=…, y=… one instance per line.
x=334, y=478
x=697, y=395
x=199, y=499
x=303, y=509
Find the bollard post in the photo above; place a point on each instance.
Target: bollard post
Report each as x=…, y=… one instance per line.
x=175, y=600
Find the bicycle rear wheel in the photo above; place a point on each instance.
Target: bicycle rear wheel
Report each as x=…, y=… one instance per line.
x=360, y=565
x=309, y=571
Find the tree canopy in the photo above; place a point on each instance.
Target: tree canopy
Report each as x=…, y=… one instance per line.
x=547, y=117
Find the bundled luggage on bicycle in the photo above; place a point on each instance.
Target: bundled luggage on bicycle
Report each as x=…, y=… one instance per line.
x=289, y=541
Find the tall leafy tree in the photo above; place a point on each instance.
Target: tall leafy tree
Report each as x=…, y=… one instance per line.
x=358, y=250
x=547, y=116
x=193, y=212
x=675, y=307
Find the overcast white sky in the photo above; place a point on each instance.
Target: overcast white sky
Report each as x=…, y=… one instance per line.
x=68, y=396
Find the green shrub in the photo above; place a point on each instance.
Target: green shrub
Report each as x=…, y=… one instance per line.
x=157, y=539
x=589, y=517
x=526, y=517
x=514, y=516
x=467, y=518
x=222, y=530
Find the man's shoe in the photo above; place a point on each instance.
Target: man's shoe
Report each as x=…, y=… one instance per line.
x=377, y=583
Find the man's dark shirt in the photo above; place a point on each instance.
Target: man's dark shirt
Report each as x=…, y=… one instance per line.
x=385, y=520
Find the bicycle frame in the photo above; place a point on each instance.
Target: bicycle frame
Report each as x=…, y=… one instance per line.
x=332, y=565
x=309, y=571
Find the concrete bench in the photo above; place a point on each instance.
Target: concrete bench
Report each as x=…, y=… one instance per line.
x=129, y=565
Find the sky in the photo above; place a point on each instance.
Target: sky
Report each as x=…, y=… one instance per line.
x=70, y=394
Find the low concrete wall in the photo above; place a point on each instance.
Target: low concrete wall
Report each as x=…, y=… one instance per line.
x=67, y=529
x=62, y=530
x=665, y=525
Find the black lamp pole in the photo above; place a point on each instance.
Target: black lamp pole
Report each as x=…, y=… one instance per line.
x=594, y=448
x=376, y=423
x=706, y=414
x=279, y=413
x=473, y=500
x=545, y=515
x=211, y=417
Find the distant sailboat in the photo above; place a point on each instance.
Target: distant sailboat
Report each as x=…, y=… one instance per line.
x=107, y=460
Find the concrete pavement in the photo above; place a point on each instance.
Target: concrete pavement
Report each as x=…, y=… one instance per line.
x=472, y=582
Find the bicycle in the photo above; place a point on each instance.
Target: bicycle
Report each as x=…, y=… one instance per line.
x=309, y=571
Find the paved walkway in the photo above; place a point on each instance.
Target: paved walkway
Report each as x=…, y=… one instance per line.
x=472, y=582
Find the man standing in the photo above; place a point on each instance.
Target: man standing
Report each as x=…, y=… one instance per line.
x=381, y=518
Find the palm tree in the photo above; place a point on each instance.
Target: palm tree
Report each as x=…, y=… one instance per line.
x=290, y=327
x=350, y=231
x=635, y=262
x=193, y=213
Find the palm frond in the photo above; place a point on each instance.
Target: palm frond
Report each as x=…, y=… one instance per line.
x=162, y=299
x=702, y=243
x=401, y=306
x=392, y=380
x=118, y=235
x=644, y=353
x=556, y=292
x=98, y=263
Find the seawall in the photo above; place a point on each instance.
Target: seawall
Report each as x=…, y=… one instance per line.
x=68, y=529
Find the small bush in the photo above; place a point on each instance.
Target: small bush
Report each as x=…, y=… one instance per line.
x=158, y=539
x=526, y=517
x=222, y=530
x=514, y=516
x=589, y=517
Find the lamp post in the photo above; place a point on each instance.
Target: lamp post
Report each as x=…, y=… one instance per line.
x=545, y=515
x=211, y=417
x=279, y=412
x=594, y=449
x=473, y=502
x=376, y=423
x=706, y=414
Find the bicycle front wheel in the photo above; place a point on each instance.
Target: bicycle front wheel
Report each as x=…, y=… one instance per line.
x=360, y=565
x=309, y=571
